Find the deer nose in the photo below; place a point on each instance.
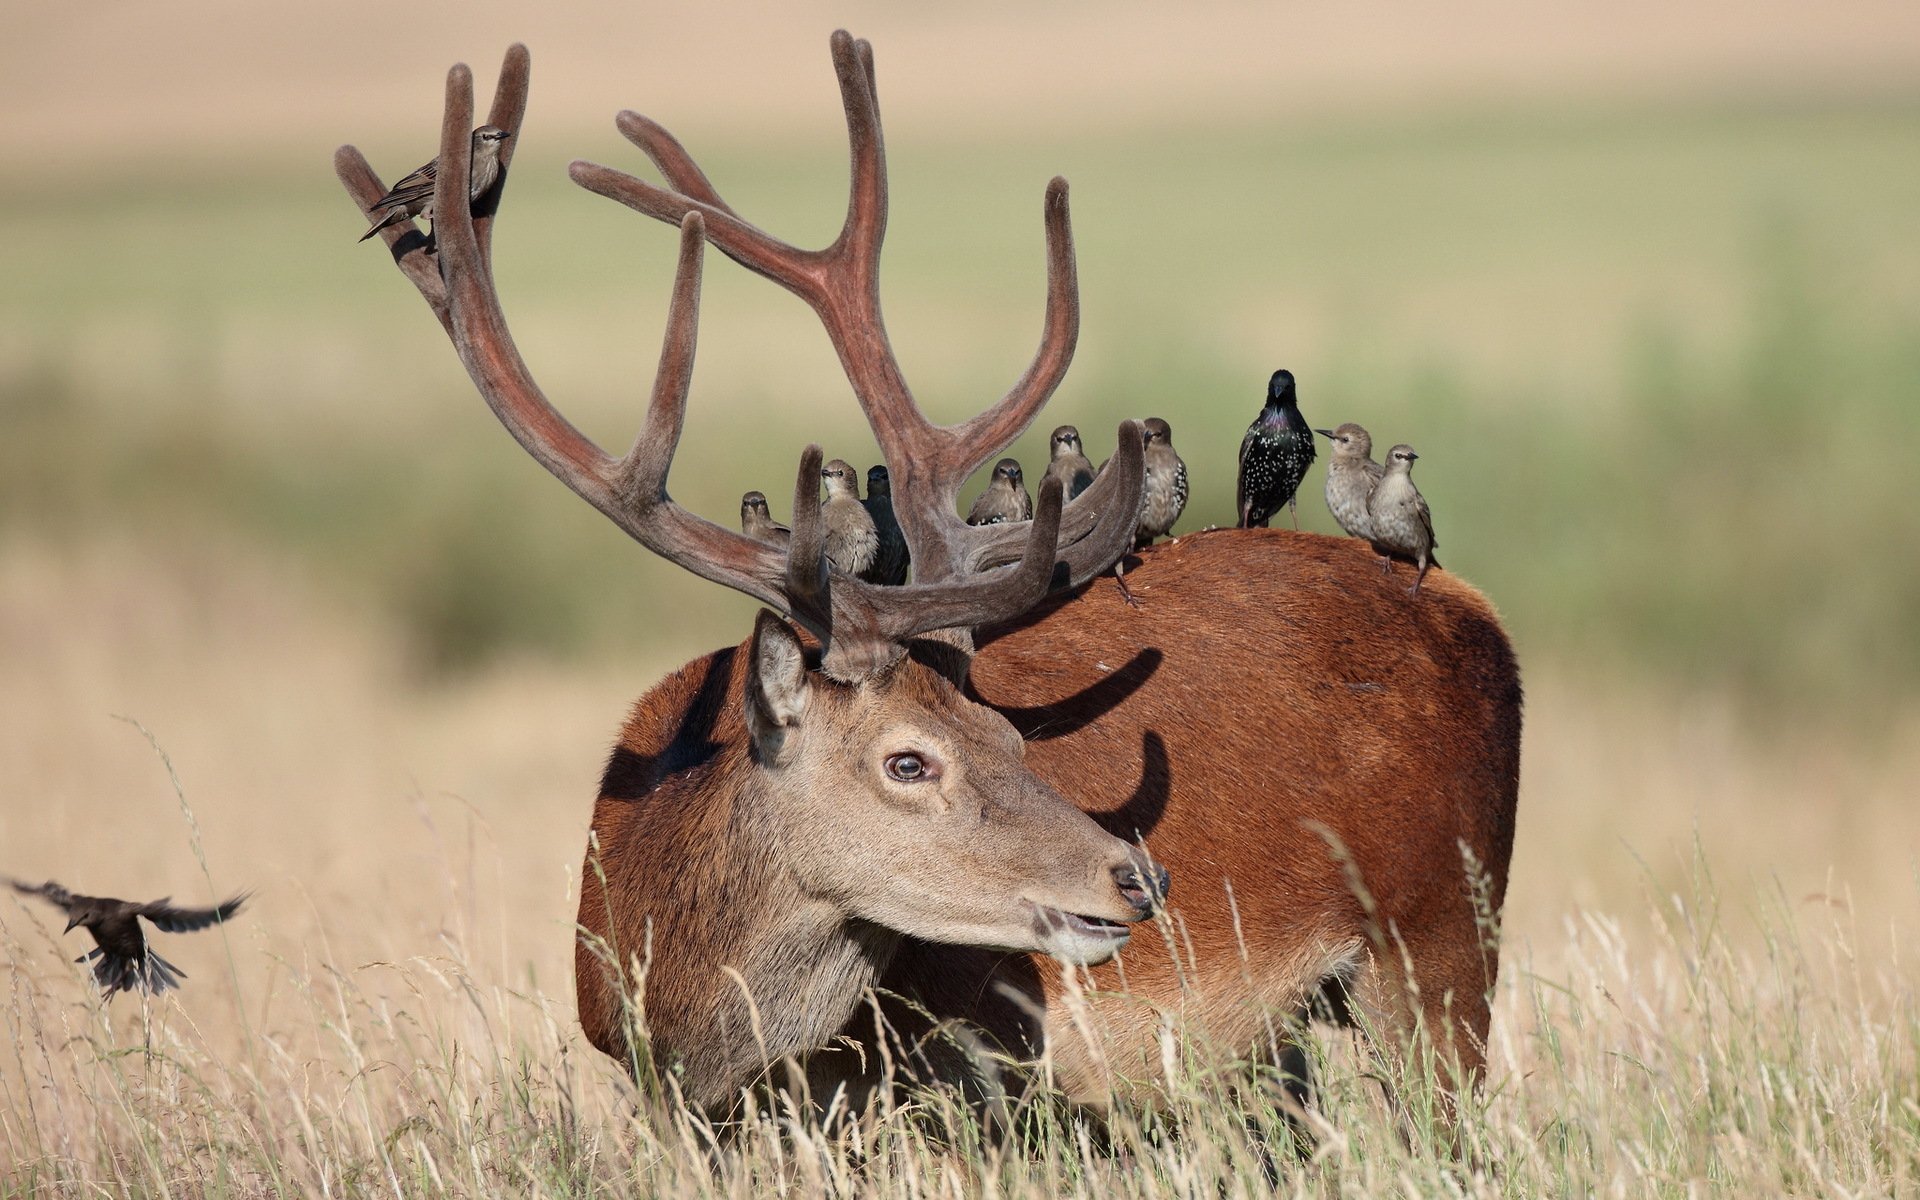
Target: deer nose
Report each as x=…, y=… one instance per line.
x=1142, y=884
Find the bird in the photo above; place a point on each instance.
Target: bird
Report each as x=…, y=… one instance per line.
x=1351, y=477
x=1069, y=464
x=122, y=960
x=757, y=523
x=1005, y=498
x=851, y=540
x=1400, y=521
x=413, y=196
x=1165, y=494
x=890, y=558
x=1274, y=456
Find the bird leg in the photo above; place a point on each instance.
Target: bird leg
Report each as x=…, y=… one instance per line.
x=1293, y=510
x=1415, y=589
x=1120, y=578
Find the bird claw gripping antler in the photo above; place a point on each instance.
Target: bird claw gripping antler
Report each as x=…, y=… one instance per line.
x=965, y=577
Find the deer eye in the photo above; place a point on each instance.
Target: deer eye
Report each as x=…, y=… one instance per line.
x=909, y=768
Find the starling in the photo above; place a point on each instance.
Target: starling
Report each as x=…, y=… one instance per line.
x=413, y=196
x=852, y=541
x=757, y=523
x=1398, y=513
x=1166, y=491
x=890, y=559
x=1005, y=499
x=1069, y=465
x=1351, y=477
x=122, y=960
x=1274, y=456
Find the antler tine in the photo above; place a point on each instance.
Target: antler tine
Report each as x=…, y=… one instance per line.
x=986, y=598
x=363, y=184
x=806, y=573
x=1096, y=527
x=865, y=227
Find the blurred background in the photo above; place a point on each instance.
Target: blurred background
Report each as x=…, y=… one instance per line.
x=1640, y=280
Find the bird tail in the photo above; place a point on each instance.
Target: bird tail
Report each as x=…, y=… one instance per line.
x=391, y=216
x=161, y=974
x=121, y=973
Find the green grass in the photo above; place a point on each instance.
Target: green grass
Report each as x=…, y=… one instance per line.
x=1661, y=365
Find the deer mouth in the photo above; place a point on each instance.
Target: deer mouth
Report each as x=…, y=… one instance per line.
x=1076, y=937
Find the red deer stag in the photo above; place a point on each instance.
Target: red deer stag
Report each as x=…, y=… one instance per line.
x=1316, y=759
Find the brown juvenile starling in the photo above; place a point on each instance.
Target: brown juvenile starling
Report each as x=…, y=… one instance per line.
x=1274, y=456
x=758, y=523
x=1005, y=499
x=1166, y=491
x=1069, y=465
x=1351, y=477
x=122, y=960
x=1398, y=512
x=851, y=541
x=413, y=196
x=890, y=559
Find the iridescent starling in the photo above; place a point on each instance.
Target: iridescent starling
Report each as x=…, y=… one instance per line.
x=1401, y=523
x=1005, y=498
x=1069, y=462
x=851, y=540
x=758, y=523
x=1274, y=456
x=890, y=558
x=1351, y=477
x=413, y=196
x=122, y=960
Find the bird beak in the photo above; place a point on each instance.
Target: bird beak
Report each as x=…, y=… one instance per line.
x=71, y=922
x=1412, y=457
x=1325, y=433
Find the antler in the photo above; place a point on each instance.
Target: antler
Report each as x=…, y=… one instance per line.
x=961, y=581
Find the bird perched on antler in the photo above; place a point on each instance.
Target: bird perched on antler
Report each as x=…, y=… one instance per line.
x=1274, y=456
x=1069, y=463
x=1401, y=522
x=1005, y=498
x=1351, y=477
x=757, y=522
x=413, y=196
x=890, y=558
x=851, y=540
x=122, y=960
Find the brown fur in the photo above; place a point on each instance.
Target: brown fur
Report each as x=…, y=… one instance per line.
x=1274, y=697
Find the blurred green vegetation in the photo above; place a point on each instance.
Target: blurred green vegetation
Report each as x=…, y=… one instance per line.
x=1663, y=367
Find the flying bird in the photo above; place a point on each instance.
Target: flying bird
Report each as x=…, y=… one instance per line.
x=413, y=196
x=890, y=559
x=1351, y=477
x=851, y=540
x=1005, y=498
x=122, y=960
x=1069, y=463
x=758, y=523
x=1274, y=456
x=1401, y=523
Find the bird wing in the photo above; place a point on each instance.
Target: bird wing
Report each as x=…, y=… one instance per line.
x=49, y=891
x=412, y=189
x=168, y=919
x=1240, y=479
x=982, y=511
x=1426, y=518
x=1180, y=483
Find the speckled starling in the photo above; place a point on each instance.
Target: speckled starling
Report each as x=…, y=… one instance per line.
x=413, y=196
x=1069, y=464
x=1274, y=456
x=1165, y=495
x=890, y=559
x=851, y=540
x=1351, y=477
x=122, y=960
x=1005, y=498
x=1401, y=523
x=758, y=523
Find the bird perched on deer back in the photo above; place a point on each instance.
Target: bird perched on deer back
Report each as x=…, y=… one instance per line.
x=1401, y=523
x=1069, y=462
x=1274, y=456
x=413, y=196
x=1005, y=499
x=122, y=960
x=1351, y=477
x=851, y=541
x=757, y=522
x=890, y=557
x=1165, y=495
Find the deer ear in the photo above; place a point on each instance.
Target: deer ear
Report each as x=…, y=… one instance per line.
x=777, y=685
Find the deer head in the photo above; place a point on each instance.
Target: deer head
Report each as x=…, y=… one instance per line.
x=871, y=748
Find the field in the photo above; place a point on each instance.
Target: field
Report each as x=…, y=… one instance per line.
x=1658, y=348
